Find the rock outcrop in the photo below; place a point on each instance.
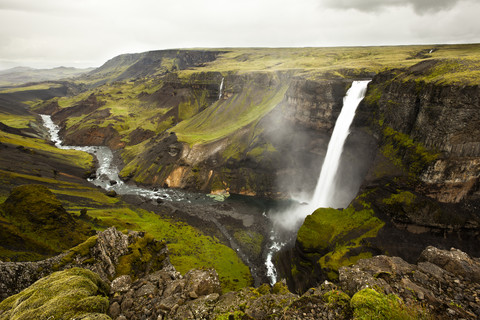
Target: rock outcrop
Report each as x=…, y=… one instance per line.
x=443, y=284
x=447, y=282
x=109, y=254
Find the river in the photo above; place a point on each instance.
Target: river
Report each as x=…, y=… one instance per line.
x=236, y=212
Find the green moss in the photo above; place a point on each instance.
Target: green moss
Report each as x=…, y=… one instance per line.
x=405, y=153
x=82, y=249
x=370, y=304
x=259, y=152
x=236, y=315
x=280, y=288
x=341, y=257
x=251, y=240
x=73, y=293
x=336, y=297
x=326, y=227
x=402, y=197
x=334, y=237
x=373, y=95
x=145, y=251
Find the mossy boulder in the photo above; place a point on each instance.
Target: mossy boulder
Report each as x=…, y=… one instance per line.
x=332, y=238
x=370, y=304
x=37, y=222
x=70, y=294
x=144, y=254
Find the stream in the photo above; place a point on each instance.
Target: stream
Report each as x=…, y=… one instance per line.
x=278, y=225
x=197, y=205
x=107, y=177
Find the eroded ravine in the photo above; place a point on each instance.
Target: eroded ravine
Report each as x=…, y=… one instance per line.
x=195, y=204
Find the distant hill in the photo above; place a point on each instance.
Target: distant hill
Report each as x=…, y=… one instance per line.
x=21, y=75
x=148, y=64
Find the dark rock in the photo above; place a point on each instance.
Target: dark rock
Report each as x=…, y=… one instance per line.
x=431, y=283
x=114, y=310
x=111, y=193
x=454, y=261
x=202, y=282
x=100, y=254
x=121, y=284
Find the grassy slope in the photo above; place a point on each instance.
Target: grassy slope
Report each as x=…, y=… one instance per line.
x=460, y=62
x=128, y=113
x=224, y=118
x=189, y=248
x=38, y=86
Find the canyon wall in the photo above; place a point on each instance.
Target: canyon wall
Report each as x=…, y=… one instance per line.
x=422, y=184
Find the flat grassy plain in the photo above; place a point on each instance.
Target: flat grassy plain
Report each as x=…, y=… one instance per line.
x=338, y=61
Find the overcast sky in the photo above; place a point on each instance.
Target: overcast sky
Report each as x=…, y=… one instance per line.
x=86, y=33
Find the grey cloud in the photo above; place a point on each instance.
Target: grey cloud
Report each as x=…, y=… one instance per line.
x=420, y=6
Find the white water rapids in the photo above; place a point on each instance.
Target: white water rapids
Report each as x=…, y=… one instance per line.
x=107, y=173
x=326, y=186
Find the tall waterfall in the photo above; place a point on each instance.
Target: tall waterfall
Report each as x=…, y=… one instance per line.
x=291, y=218
x=325, y=188
x=220, y=90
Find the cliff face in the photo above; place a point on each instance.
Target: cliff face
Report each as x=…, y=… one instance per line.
x=443, y=118
x=314, y=104
x=423, y=181
x=262, y=134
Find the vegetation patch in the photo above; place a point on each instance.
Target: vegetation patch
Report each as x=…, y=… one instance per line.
x=370, y=304
x=188, y=247
x=226, y=117
x=77, y=158
x=37, y=217
x=145, y=253
x=70, y=294
x=251, y=240
x=334, y=237
x=402, y=197
x=16, y=121
x=40, y=86
x=405, y=153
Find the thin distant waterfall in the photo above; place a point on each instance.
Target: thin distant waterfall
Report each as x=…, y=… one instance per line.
x=325, y=188
x=220, y=90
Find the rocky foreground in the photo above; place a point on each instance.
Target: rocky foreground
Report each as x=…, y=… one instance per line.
x=129, y=276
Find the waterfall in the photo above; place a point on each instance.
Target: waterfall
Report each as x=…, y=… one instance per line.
x=220, y=90
x=325, y=188
x=291, y=218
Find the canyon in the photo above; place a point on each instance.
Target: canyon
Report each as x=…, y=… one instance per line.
x=250, y=127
